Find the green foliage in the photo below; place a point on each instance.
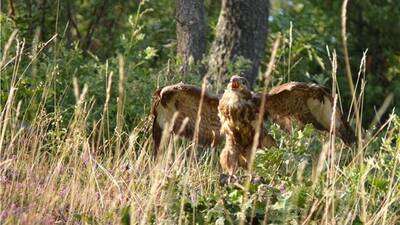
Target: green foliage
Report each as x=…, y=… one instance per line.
x=295, y=174
x=52, y=73
x=290, y=189
x=311, y=27
x=91, y=34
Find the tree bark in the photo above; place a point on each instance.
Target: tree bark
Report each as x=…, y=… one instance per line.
x=241, y=33
x=191, y=32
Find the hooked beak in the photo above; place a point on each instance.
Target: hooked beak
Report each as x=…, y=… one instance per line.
x=235, y=84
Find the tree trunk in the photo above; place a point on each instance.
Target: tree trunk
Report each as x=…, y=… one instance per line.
x=241, y=34
x=191, y=32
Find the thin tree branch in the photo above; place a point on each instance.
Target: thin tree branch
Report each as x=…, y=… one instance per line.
x=97, y=13
x=72, y=20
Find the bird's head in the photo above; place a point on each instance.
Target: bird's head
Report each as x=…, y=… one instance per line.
x=239, y=84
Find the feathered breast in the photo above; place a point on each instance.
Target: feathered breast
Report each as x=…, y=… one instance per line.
x=237, y=116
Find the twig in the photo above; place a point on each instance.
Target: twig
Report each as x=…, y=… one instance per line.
x=363, y=213
x=198, y=118
x=382, y=109
x=7, y=47
x=98, y=13
x=348, y=71
x=120, y=102
x=73, y=22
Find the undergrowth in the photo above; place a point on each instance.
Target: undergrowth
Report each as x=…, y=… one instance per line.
x=74, y=153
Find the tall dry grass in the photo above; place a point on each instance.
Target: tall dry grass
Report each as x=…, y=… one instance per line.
x=85, y=173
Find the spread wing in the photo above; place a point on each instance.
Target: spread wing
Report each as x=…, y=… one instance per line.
x=183, y=101
x=307, y=103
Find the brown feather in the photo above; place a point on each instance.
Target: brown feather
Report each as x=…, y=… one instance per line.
x=308, y=104
x=238, y=115
x=185, y=100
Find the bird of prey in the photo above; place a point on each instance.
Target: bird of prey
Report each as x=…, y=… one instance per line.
x=175, y=109
x=238, y=113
